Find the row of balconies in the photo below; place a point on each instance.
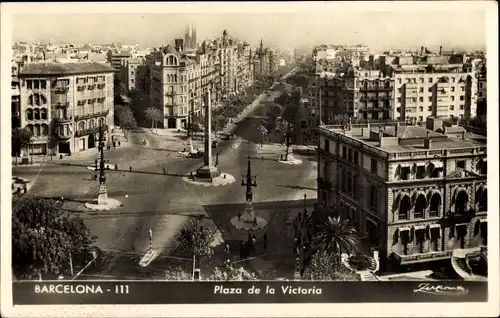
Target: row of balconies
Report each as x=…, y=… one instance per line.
x=81, y=88
x=90, y=131
x=61, y=104
x=91, y=101
x=93, y=115
x=61, y=89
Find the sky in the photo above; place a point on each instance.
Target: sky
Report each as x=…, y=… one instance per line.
x=392, y=28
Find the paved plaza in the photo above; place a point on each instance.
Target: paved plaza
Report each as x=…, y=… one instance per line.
x=148, y=182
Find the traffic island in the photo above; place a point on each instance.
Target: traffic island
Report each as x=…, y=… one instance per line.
x=247, y=223
x=107, y=166
x=220, y=180
x=108, y=204
x=291, y=160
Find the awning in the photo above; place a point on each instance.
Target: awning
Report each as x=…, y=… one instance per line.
x=419, y=227
x=403, y=229
x=405, y=165
x=461, y=225
x=435, y=226
x=483, y=220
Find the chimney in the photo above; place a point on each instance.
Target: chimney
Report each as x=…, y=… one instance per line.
x=421, y=50
x=440, y=50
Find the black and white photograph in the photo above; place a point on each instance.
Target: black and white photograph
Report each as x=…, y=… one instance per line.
x=250, y=153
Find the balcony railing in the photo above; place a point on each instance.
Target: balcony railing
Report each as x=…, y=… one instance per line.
x=93, y=115
x=61, y=120
x=61, y=104
x=80, y=88
x=169, y=93
x=101, y=86
x=420, y=258
x=90, y=131
x=61, y=90
x=91, y=87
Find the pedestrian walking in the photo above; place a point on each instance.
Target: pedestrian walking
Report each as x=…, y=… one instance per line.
x=164, y=172
x=226, y=248
x=116, y=167
x=255, y=221
x=119, y=143
x=114, y=144
x=130, y=168
x=239, y=216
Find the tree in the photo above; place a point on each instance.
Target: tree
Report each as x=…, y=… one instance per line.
x=125, y=118
x=322, y=267
x=178, y=273
x=21, y=138
x=336, y=236
x=43, y=238
x=154, y=115
x=232, y=273
x=195, y=241
x=219, y=274
x=287, y=129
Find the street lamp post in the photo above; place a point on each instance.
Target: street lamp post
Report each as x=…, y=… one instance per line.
x=251, y=182
x=102, y=198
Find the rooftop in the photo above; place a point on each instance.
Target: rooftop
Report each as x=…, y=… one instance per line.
x=408, y=137
x=56, y=68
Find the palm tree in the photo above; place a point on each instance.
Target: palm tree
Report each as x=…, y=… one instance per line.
x=336, y=236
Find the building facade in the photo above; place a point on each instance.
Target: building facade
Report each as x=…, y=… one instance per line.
x=178, y=81
x=416, y=194
x=63, y=105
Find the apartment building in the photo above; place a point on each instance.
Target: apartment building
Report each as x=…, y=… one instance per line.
x=133, y=74
x=178, y=82
x=64, y=104
x=15, y=96
x=417, y=194
x=442, y=90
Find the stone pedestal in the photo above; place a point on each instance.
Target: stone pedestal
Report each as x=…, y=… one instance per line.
x=207, y=172
x=249, y=215
x=102, y=198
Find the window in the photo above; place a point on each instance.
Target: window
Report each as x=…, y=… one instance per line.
x=421, y=109
x=452, y=107
x=29, y=84
x=429, y=108
x=462, y=97
x=344, y=152
x=462, y=88
x=421, y=90
x=373, y=166
x=373, y=197
x=399, y=99
x=327, y=145
x=429, y=89
x=462, y=107
x=399, y=80
x=36, y=84
x=420, y=172
x=430, y=79
x=453, y=80
x=460, y=164
x=43, y=84
x=356, y=158
x=453, y=88
x=419, y=240
x=421, y=81
x=420, y=118
x=349, y=155
x=405, y=173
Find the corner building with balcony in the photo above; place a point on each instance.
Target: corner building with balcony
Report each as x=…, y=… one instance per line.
x=63, y=105
x=416, y=194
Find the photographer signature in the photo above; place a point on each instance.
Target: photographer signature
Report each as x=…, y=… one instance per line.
x=440, y=289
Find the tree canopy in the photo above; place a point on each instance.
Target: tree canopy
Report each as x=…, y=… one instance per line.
x=43, y=238
x=219, y=274
x=20, y=139
x=196, y=240
x=335, y=236
x=322, y=267
x=154, y=115
x=125, y=117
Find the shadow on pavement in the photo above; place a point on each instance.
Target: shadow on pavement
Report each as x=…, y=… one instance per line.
x=296, y=187
x=127, y=171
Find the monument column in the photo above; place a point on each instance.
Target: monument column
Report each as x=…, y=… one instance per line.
x=208, y=129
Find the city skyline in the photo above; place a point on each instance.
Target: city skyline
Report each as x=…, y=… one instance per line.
x=380, y=30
